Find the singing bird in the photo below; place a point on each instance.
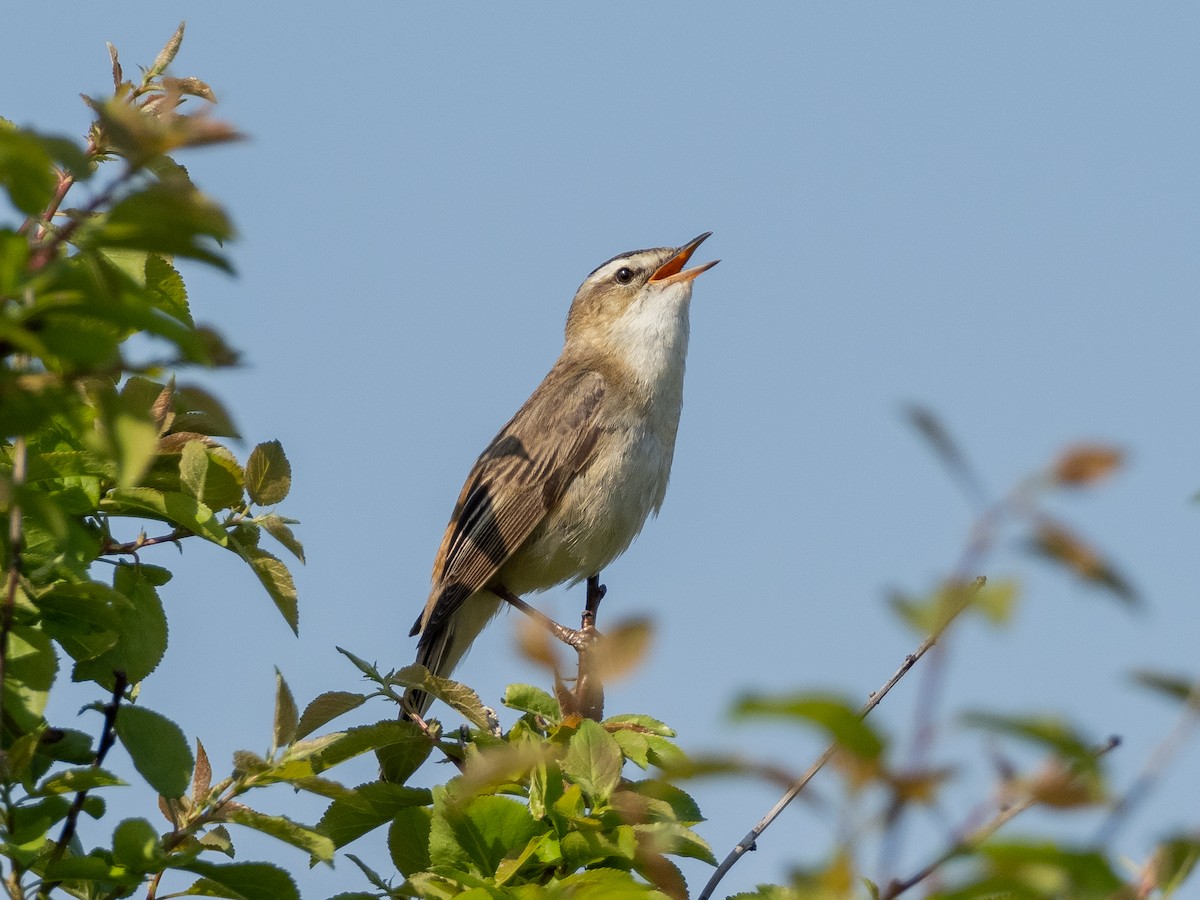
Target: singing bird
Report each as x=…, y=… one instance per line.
x=568, y=483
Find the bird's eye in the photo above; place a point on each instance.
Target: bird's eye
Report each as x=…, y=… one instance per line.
x=624, y=275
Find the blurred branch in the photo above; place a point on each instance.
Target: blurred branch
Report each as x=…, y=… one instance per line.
x=966, y=593
x=976, y=838
x=108, y=737
x=1155, y=765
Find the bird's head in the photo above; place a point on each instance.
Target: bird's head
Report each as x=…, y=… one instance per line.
x=641, y=289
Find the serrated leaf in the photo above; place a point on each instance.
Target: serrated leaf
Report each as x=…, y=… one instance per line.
x=364, y=739
x=70, y=781
x=641, y=723
x=208, y=473
x=268, y=474
x=286, y=715
x=366, y=808
x=275, y=577
x=142, y=632
x=165, y=286
x=166, y=218
x=167, y=55
x=217, y=839
x=408, y=839
x=82, y=617
x=477, y=836
x=158, y=749
x=834, y=715
x=325, y=708
x=201, y=775
x=527, y=698
x=284, y=829
x=240, y=881
x=593, y=761
x=454, y=694
x=29, y=674
x=277, y=528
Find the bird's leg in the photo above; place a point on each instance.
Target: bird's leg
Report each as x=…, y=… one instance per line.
x=595, y=593
x=588, y=697
x=577, y=638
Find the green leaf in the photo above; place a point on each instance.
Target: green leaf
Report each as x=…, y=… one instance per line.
x=325, y=708
x=275, y=577
x=408, y=839
x=277, y=527
x=1174, y=860
x=141, y=631
x=210, y=474
x=69, y=781
x=682, y=806
x=1176, y=687
x=268, y=474
x=1077, y=873
x=26, y=169
x=14, y=257
x=136, y=845
x=368, y=807
x=634, y=746
x=29, y=675
x=604, y=884
x=454, y=694
x=593, y=761
x=165, y=284
x=158, y=748
x=167, y=506
x=832, y=714
x=284, y=829
x=476, y=836
x=355, y=741
x=530, y=699
x=286, y=715
x=170, y=218
x=639, y=723
x=240, y=881
x=1049, y=732
x=199, y=412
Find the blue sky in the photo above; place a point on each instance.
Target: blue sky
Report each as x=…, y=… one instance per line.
x=991, y=211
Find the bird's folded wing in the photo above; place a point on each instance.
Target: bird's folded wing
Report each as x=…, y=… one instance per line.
x=515, y=482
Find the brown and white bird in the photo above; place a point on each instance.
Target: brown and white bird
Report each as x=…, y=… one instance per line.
x=568, y=483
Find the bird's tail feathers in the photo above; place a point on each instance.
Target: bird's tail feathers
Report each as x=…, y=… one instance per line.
x=444, y=643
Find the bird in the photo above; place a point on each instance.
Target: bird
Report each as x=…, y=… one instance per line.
x=567, y=484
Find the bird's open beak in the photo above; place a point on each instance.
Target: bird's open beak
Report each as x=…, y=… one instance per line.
x=672, y=270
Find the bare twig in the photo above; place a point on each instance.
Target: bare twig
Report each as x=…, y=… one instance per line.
x=111, y=547
x=966, y=594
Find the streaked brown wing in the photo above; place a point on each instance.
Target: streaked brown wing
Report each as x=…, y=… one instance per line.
x=514, y=483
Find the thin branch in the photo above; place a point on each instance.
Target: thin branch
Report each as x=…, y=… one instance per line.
x=966, y=595
x=43, y=254
x=976, y=838
x=108, y=737
x=111, y=547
